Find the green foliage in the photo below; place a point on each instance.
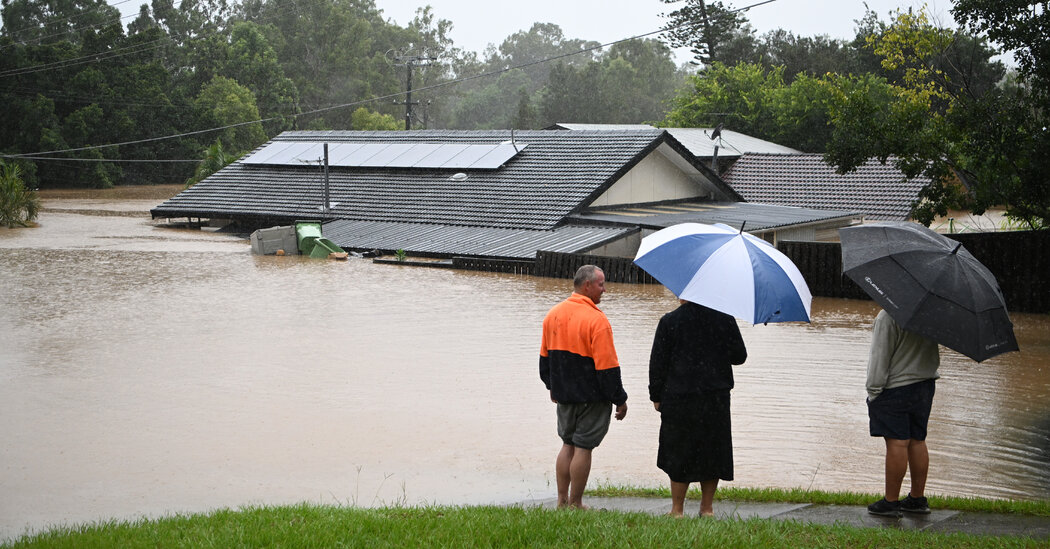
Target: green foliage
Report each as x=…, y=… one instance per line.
x=225, y=103
x=215, y=159
x=364, y=119
x=703, y=27
x=253, y=64
x=979, y=146
x=400, y=254
x=18, y=205
x=630, y=83
x=757, y=101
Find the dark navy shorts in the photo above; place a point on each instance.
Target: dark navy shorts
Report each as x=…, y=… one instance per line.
x=902, y=412
x=584, y=425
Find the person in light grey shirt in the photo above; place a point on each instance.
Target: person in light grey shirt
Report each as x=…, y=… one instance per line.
x=902, y=369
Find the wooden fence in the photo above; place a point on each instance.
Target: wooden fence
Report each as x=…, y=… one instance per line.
x=494, y=265
x=1019, y=260
x=616, y=269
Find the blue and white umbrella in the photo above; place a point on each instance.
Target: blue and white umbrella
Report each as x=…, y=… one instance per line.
x=727, y=270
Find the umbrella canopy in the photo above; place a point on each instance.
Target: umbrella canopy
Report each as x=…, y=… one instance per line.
x=930, y=285
x=727, y=270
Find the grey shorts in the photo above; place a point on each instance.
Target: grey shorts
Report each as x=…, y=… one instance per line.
x=584, y=425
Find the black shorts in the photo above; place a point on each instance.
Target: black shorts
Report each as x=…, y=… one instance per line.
x=902, y=413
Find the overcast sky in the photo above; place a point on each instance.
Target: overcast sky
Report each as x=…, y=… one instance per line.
x=477, y=23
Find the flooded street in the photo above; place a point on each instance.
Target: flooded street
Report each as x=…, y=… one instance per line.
x=147, y=370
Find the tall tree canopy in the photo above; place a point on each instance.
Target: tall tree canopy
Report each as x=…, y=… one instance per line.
x=702, y=26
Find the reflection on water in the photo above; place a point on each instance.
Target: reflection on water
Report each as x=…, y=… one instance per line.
x=148, y=370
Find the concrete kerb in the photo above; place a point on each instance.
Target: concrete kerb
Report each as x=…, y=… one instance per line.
x=982, y=524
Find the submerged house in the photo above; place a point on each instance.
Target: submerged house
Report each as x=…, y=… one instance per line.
x=768, y=173
x=489, y=194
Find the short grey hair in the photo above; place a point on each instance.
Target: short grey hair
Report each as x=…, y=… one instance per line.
x=584, y=275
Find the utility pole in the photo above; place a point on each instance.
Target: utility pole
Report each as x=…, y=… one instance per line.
x=408, y=60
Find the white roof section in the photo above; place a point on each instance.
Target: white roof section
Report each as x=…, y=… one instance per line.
x=698, y=140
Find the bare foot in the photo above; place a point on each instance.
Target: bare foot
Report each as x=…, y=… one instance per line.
x=678, y=514
x=707, y=514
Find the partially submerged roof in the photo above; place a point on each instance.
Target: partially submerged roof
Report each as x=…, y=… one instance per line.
x=699, y=141
x=549, y=175
x=444, y=240
x=754, y=217
x=879, y=191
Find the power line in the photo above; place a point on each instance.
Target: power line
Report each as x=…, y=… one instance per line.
x=374, y=99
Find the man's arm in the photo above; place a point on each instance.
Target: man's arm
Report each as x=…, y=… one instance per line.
x=882, y=347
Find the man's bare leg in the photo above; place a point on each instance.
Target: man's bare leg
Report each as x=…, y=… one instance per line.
x=561, y=472
x=678, y=491
x=579, y=470
x=896, y=467
x=707, y=497
x=919, y=463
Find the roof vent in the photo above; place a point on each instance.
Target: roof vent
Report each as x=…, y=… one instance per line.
x=458, y=176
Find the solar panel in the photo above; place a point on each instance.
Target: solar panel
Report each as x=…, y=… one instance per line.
x=497, y=157
x=441, y=154
x=263, y=155
x=387, y=155
x=339, y=151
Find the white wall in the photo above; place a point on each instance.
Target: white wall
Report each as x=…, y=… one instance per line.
x=654, y=179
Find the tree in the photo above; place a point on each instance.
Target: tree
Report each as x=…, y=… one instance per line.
x=18, y=205
x=253, y=64
x=1009, y=129
x=215, y=159
x=44, y=21
x=1020, y=27
x=225, y=103
x=945, y=128
x=364, y=119
x=703, y=27
x=741, y=97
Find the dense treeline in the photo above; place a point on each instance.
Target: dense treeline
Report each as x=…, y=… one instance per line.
x=224, y=77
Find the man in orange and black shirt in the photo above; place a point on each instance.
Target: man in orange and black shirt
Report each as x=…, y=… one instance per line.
x=578, y=365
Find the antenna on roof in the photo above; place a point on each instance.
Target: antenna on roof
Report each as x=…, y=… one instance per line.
x=717, y=132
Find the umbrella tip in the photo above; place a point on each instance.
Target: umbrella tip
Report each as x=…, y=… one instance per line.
x=742, y=226
x=957, y=246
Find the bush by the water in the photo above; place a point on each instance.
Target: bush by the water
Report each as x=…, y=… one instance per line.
x=18, y=205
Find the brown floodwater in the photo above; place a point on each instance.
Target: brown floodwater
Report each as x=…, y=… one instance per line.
x=147, y=370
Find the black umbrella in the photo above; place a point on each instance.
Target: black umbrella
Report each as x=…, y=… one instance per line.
x=930, y=285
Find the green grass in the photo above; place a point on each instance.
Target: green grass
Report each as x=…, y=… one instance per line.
x=487, y=526
x=330, y=526
x=798, y=495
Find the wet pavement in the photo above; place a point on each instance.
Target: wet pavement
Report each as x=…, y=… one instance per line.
x=946, y=521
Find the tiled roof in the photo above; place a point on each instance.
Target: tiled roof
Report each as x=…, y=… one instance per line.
x=879, y=191
x=557, y=173
x=446, y=240
x=758, y=217
x=698, y=140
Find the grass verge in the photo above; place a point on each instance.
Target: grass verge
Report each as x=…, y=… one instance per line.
x=331, y=526
x=798, y=495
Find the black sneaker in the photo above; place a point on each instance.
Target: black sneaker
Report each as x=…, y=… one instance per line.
x=915, y=505
x=885, y=508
